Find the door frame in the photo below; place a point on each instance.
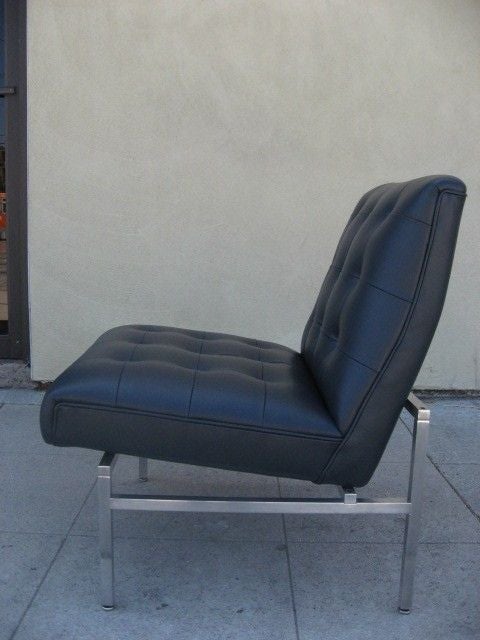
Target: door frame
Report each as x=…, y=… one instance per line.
x=15, y=344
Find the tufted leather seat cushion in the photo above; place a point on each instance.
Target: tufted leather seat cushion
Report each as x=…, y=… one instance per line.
x=205, y=397
x=324, y=414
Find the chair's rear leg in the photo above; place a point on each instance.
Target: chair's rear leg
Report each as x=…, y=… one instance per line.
x=415, y=493
x=105, y=531
x=143, y=469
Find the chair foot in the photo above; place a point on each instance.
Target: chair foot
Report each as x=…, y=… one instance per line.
x=404, y=611
x=107, y=607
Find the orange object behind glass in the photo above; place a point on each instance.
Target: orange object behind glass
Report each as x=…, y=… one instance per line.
x=3, y=212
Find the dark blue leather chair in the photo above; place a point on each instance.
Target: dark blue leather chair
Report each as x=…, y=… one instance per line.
x=323, y=414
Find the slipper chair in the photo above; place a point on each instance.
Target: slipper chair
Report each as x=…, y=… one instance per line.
x=322, y=414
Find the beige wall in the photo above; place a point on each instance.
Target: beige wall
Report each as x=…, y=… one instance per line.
x=193, y=163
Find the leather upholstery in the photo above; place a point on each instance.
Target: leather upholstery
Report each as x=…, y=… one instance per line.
x=377, y=311
x=324, y=414
x=192, y=396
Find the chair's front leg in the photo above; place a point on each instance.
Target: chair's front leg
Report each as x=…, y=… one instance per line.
x=105, y=530
x=143, y=469
x=415, y=493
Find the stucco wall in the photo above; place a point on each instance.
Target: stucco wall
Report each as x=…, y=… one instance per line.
x=193, y=163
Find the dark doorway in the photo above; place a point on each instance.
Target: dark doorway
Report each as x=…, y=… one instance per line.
x=13, y=200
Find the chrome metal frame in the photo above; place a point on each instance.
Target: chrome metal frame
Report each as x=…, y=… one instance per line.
x=349, y=503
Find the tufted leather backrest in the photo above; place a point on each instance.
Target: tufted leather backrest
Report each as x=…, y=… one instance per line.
x=377, y=311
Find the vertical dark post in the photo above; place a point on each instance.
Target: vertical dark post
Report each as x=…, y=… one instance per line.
x=16, y=179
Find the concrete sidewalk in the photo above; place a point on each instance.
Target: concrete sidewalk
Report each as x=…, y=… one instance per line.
x=219, y=576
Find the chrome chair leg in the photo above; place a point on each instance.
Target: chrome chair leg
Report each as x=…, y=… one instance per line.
x=415, y=493
x=348, y=504
x=105, y=530
x=143, y=469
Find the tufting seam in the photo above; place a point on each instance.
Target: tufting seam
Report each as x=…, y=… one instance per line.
x=272, y=430
x=400, y=214
x=352, y=275
x=327, y=335
x=135, y=347
x=404, y=215
x=195, y=374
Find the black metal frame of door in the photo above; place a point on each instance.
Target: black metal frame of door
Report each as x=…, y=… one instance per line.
x=15, y=344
